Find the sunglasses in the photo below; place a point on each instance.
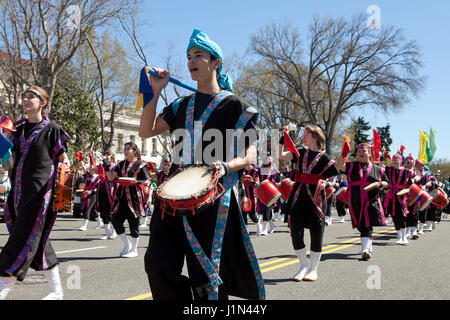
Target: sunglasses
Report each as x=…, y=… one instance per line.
x=31, y=95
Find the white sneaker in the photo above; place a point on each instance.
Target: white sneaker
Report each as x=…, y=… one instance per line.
x=302, y=257
x=430, y=226
x=100, y=223
x=54, y=280
x=271, y=227
x=133, y=253
x=342, y=220
x=126, y=244
x=84, y=226
x=6, y=285
x=314, y=258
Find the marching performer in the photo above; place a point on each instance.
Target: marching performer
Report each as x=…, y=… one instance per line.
x=365, y=206
x=412, y=217
x=305, y=207
x=215, y=248
x=39, y=148
x=249, y=180
x=396, y=205
x=89, y=196
x=148, y=194
x=265, y=214
x=128, y=198
x=105, y=195
x=422, y=179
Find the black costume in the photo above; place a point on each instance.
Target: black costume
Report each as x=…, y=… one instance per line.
x=29, y=213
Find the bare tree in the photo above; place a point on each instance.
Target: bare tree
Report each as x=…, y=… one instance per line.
x=343, y=65
x=52, y=31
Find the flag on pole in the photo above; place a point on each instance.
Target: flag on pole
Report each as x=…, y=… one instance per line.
x=145, y=90
x=376, y=146
x=431, y=145
x=423, y=147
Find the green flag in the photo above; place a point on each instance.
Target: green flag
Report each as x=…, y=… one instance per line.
x=431, y=145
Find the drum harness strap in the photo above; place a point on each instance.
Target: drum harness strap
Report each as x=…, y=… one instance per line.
x=212, y=266
x=394, y=187
x=303, y=178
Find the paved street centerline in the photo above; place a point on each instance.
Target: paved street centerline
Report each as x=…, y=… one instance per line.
x=336, y=247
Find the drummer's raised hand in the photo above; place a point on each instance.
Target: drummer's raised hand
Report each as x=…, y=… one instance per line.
x=221, y=167
x=159, y=83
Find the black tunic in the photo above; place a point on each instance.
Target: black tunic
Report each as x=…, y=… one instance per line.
x=29, y=213
x=304, y=205
x=374, y=208
x=136, y=192
x=238, y=281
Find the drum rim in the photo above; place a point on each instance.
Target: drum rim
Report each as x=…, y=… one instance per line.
x=204, y=192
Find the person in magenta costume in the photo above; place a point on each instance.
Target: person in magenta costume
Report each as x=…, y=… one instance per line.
x=397, y=205
x=212, y=270
x=365, y=207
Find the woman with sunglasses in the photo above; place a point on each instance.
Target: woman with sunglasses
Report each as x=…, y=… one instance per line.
x=129, y=198
x=39, y=149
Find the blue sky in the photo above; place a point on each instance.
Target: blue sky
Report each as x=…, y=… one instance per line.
x=231, y=23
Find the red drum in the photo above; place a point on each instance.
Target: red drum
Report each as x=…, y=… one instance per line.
x=246, y=204
x=440, y=199
x=414, y=193
x=329, y=192
x=319, y=188
x=372, y=186
x=342, y=194
x=286, y=186
x=191, y=189
x=426, y=200
x=126, y=181
x=247, y=179
x=267, y=193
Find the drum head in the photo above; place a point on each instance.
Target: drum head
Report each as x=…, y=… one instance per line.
x=188, y=182
x=372, y=186
x=403, y=192
x=426, y=204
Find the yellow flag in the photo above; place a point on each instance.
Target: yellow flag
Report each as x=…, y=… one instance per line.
x=423, y=147
x=140, y=101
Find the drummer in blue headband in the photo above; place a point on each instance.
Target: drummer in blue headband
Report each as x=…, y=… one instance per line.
x=199, y=238
x=205, y=53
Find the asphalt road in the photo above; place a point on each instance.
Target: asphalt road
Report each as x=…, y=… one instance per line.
x=91, y=269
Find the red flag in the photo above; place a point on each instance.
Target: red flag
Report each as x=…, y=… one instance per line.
x=101, y=172
x=91, y=157
x=402, y=148
x=290, y=144
x=79, y=156
x=376, y=146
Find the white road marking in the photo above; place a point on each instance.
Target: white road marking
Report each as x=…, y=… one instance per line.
x=77, y=250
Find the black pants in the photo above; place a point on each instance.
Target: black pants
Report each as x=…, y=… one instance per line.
x=90, y=212
x=267, y=214
x=412, y=218
x=423, y=215
x=124, y=213
x=340, y=207
x=304, y=216
x=366, y=232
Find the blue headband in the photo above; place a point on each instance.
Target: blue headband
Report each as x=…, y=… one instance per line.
x=200, y=40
